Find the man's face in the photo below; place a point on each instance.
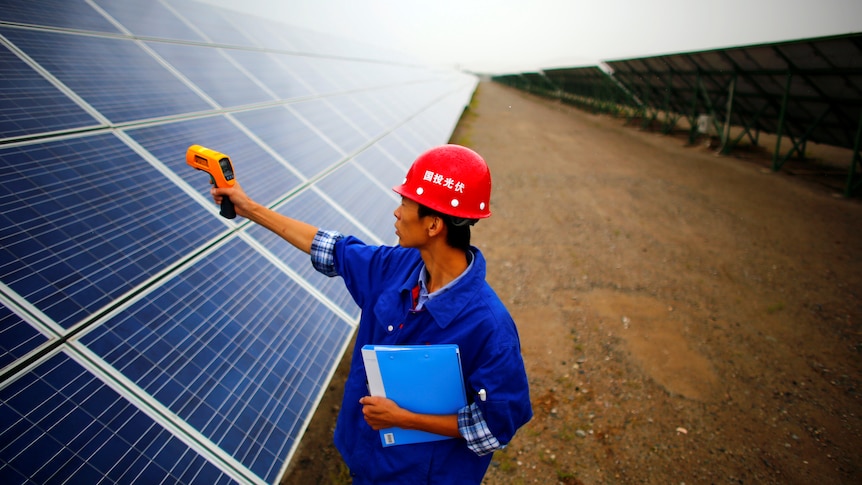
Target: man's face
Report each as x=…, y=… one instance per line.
x=409, y=227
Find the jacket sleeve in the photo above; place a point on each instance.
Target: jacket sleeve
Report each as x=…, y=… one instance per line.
x=366, y=269
x=507, y=404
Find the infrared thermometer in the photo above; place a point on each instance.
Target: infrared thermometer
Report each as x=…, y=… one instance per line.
x=220, y=169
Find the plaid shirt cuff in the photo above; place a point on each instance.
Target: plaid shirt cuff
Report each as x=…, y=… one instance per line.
x=475, y=430
x=323, y=251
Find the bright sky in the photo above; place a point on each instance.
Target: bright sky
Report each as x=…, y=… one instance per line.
x=501, y=36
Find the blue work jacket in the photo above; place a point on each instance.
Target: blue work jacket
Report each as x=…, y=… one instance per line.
x=380, y=279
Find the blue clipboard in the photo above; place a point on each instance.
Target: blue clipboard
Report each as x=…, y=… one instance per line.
x=424, y=379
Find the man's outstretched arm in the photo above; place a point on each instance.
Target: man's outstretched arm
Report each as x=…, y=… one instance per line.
x=299, y=234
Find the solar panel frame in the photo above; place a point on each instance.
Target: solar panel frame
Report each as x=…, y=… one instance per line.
x=17, y=337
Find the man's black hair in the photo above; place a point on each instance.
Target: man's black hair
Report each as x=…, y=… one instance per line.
x=457, y=229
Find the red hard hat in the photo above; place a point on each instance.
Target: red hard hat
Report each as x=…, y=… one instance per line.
x=450, y=179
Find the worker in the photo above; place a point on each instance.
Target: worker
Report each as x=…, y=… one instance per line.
x=429, y=289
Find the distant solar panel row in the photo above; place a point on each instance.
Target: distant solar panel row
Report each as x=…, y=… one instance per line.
x=800, y=90
x=143, y=338
x=809, y=89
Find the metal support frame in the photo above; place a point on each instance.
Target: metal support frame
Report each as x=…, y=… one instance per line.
x=725, y=133
x=780, y=131
x=692, y=120
x=852, y=183
x=800, y=143
x=746, y=130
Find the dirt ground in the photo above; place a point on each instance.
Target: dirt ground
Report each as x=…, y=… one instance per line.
x=684, y=317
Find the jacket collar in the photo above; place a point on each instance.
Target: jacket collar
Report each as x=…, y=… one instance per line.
x=445, y=307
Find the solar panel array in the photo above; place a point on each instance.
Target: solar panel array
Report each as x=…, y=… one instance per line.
x=588, y=87
x=801, y=90
x=144, y=338
x=810, y=88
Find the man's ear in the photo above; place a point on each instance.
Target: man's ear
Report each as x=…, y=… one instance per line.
x=436, y=226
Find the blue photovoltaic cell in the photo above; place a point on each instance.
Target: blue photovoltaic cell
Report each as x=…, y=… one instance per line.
x=389, y=74
x=304, y=149
x=370, y=204
x=17, y=337
x=313, y=71
x=360, y=114
x=375, y=102
x=61, y=424
x=71, y=14
x=436, y=122
x=320, y=114
x=265, y=33
x=84, y=220
x=310, y=207
x=213, y=73
x=423, y=130
x=235, y=348
x=263, y=177
x=413, y=140
x=383, y=167
x=400, y=151
x=216, y=24
x=317, y=43
x=150, y=19
x=115, y=76
x=29, y=104
x=403, y=102
x=276, y=71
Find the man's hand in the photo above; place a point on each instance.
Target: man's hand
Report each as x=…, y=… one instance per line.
x=241, y=202
x=381, y=413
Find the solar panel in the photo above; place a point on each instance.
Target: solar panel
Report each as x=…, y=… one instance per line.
x=224, y=345
x=150, y=19
x=214, y=72
x=63, y=423
x=144, y=338
x=265, y=176
x=278, y=72
x=17, y=337
x=295, y=140
x=69, y=14
x=85, y=220
x=30, y=104
x=115, y=76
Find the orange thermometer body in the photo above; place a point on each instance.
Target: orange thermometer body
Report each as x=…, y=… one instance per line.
x=220, y=169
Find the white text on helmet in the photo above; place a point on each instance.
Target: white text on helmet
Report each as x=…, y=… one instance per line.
x=442, y=180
